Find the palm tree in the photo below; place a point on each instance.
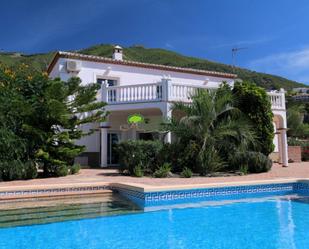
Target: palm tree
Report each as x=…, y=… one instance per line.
x=215, y=124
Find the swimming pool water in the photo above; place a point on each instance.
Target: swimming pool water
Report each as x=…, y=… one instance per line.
x=56, y=209
x=279, y=223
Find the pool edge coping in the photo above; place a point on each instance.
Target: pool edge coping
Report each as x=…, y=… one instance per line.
x=143, y=188
x=19, y=192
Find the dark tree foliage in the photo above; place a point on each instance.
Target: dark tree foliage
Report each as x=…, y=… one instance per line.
x=41, y=118
x=255, y=103
x=213, y=127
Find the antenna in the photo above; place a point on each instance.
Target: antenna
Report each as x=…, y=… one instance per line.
x=234, y=53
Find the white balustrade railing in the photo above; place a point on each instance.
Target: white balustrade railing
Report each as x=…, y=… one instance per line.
x=182, y=92
x=166, y=91
x=277, y=100
x=132, y=93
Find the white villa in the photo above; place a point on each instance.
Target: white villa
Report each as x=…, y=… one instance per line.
x=130, y=87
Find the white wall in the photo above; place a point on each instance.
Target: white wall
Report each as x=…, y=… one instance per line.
x=128, y=75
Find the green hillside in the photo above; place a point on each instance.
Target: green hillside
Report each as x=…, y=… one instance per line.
x=157, y=56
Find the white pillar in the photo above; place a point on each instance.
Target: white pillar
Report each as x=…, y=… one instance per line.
x=284, y=146
x=104, y=92
x=280, y=147
x=104, y=127
x=167, y=114
x=166, y=89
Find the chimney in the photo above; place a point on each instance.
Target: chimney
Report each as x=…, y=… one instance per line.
x=117, y=53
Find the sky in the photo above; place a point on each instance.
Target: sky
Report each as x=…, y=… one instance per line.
x=274, y=33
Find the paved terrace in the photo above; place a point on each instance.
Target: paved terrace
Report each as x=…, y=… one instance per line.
x=102, y=176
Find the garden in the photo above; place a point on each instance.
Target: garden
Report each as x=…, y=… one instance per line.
x=227, y=130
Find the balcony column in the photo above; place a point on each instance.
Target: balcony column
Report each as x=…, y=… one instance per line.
x=104, y=92
x=103, y=148
x=282, y=98
x=167, y=115
x=284, y=147
x=166, y=89
x=280, y=146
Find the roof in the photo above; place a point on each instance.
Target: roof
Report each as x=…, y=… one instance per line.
x=101, y=59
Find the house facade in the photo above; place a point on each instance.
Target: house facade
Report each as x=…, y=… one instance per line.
x=135, y=90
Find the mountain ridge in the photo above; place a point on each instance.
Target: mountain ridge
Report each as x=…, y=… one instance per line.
x=40, y=61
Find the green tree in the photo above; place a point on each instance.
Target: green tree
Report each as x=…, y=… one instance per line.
x=254, y=102
x=215, y=125
x=295, y=120
x=44, y=117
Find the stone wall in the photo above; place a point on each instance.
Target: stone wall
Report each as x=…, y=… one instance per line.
x=294, y=153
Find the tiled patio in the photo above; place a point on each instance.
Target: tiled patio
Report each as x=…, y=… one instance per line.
x=99, y=176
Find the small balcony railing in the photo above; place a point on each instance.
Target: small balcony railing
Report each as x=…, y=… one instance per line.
x=166, y=91
x=277, y=100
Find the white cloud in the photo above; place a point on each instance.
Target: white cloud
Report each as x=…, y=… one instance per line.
x=293, y=65
x=168, y=45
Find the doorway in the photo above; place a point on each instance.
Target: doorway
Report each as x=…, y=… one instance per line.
x=112, y=155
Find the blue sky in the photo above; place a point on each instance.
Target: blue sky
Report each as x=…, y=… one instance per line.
x=274, y=31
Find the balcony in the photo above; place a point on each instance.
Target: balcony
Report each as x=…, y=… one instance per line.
x=166, y=91
x=277, y=100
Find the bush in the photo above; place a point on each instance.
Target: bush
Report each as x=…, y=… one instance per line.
x=186, y=173
x=17, y=170
x=181, y=155
x=139, y=152
x=61, y=170
x=251, y=161
x=75, y=168
x=30, y=170
x=58, y=168
x=163, y=171
x=138, y=171
x=11, y=170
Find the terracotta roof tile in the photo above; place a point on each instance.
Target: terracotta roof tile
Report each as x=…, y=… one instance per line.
x=101, y=59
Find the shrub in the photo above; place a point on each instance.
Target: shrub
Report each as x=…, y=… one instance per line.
x=139, y=152
x=210, y=161
x=186, y=173
x=75, y=168
x=251, y=161
x=254, y=102
x=244, y=169
x=30, y=170
x=58, y=168
x=61, y=170
x=11, y=170
x=163, y=171
x=181, y=155
x=138, y=171
x=258, y=163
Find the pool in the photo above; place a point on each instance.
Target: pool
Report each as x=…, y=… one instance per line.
x=277, y=222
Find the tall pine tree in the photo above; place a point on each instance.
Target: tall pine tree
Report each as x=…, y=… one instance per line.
x=47, y=116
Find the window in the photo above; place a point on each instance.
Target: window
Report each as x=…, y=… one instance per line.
x=148, y=136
